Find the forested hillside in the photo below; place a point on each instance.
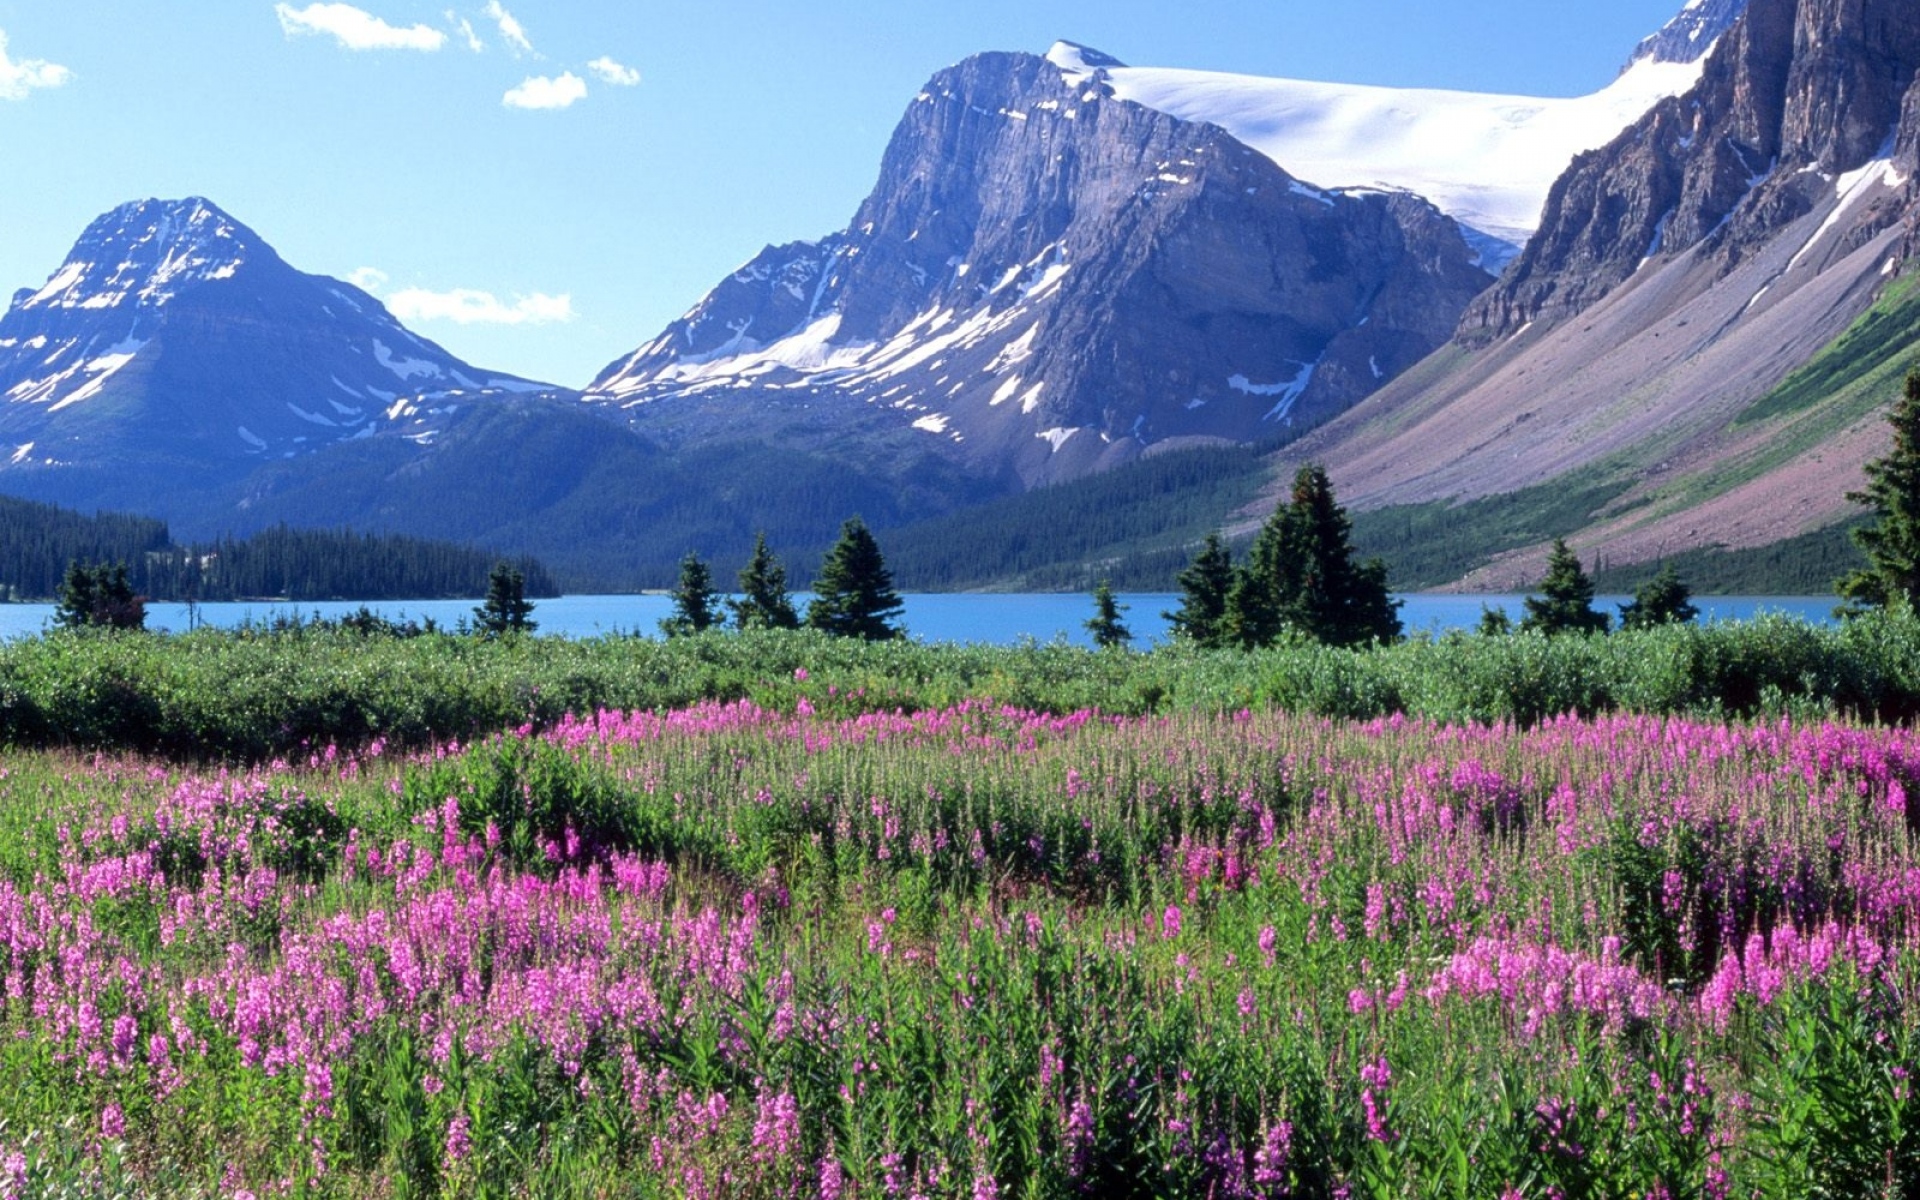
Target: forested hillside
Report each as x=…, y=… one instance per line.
x=38, y=541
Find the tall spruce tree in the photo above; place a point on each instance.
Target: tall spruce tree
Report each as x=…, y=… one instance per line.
x=506, y=608
x=1663, y=600
x=695, y=608
x=1891, y=543
x=1105, y=625
x=764, y=601
x=1302, y=575
x=853, y=593
x=1206, y=591
x=1565, y=603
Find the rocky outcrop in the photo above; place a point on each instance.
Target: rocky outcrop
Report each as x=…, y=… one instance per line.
x=1798, y=94
x=1047, y=280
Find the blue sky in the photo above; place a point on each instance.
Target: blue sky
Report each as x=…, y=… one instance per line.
x=568, y=176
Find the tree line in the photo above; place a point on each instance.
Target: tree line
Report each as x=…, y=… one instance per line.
x=853, y=593
x=1301, y=577
x=39, y=542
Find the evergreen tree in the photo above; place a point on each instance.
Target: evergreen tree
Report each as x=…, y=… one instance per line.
x=506, y=608
x=764, y=602
x=853, y=594
x=1663, y=600
x=1892, y=543
x=99, y=597
x=1108, y=633
x=1494, y=622
x=1302, y=575
x=694, y=600
x=1566, y=601
x=1206, y=591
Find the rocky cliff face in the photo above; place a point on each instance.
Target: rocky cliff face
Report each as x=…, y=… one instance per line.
x=1047, y=280
x=1799, y=96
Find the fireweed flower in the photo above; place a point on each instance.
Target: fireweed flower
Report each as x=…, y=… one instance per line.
x=1170, y=922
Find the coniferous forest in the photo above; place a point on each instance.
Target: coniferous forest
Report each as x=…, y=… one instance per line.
x=38, y=541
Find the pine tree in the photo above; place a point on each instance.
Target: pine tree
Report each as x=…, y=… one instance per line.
x=1494, y=622
x=1663, y=600
x=1566, y=601
x=764, y=602
x=506, y=608
x=1302, y=575
x=99, y=597
x=694, y=600
x=1105, y=626
x=1206, y=591
x=853, y=594
x=1892, y=544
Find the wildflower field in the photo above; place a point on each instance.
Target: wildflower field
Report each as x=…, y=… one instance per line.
x=738, y=949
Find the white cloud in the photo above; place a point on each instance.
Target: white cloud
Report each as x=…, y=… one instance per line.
x=614, y=73
x=510, y=29
x=464, y=306
x=356, y=29
x=465, y=28
x=368, y=279
x=19, y=78
x=539, y=92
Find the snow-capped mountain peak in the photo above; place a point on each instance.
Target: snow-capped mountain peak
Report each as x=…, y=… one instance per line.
x=1078, y=62
x=187, y=327
x=1486, y=160
x=146, y=253
x=1689, y=36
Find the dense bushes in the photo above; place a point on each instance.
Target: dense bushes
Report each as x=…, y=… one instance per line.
x=254, y=695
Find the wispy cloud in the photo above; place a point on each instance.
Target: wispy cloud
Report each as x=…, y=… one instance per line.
x=541, y=92
x=465, y=306
x=19, y=78
x=614, y=73
x=356, y=29
x=465, y=29
x=510, y=29
x=368, y=279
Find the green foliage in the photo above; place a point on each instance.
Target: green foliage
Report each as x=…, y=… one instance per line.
x=1206, y=590
x=853, y=592
x=99, y=597
x=1565, y=604
x=1663, y=600
x=1837, y=1115
x=695, y=602
x=1433, y=544
x=764, y=601
x=1109, y=633
x=1892, y=542
x=1494, y=622
x=1301, y=575
x=1803, y=565
x=506, y=609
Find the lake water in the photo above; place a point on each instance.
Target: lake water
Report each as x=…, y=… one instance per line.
x=949, y=617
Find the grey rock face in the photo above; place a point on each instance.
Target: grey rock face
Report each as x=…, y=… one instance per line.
x=1047, y=280
x=1688, y=35
x=1798, y=94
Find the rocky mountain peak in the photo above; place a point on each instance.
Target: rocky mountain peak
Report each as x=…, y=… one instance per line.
x=1803, y=107
x=1049, y=278
x=1691, y=34
x=145, y=253
x=172, y=328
